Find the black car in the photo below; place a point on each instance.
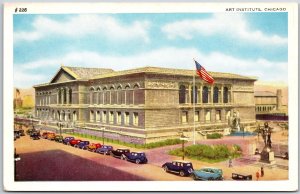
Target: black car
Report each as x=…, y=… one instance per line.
x=137, y=157
x=22, y=132
x=183, y=168
x=236, y=176
x=17, y=133
x=120, y=153
x=35, y=135
x=58, y=138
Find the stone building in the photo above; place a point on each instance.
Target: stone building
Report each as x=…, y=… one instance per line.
x=267, y=102
x=144, y=104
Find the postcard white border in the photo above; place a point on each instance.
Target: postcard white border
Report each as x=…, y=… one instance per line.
x=65, y=8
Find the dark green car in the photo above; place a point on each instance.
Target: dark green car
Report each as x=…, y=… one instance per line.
x=59, y=138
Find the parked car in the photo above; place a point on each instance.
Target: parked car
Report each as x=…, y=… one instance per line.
x=67, y=140
x=207, y=174
x=104, y=149
x=51, y=136
x=17, y=134
x=82, y=144
x=29, y=131
x=58, y=138
x=93, y=146
x=35, y=135
x=119, y=153
x=183, y=168
x=236, y=176
x=137, y=157
x=45, y=134
x=22, y=132
x=74, y=142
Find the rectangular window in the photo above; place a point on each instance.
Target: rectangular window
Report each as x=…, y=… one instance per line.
x=135, y=118
x=98, y=116
x=218, y=115
x=184, y=116
x=197, y=116
x=104, y=116
x=126, y=118
x=119, y=118
x=111, y=117
x=207, y=115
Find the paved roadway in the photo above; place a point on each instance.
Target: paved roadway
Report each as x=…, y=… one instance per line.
x=45, y=160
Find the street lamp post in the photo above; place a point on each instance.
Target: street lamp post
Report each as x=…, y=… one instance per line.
x=183, y=138
x=103, y=135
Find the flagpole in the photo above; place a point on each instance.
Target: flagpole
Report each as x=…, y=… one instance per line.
x=194, y=104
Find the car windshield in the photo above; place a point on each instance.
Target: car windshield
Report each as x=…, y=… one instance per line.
x=188, y=164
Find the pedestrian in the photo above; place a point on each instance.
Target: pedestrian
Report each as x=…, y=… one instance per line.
x=230, y=162
x=257, y=175
x=262, y=172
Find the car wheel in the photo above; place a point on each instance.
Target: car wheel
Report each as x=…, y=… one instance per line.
x=166, y=169
x=210, y=179
x=194, y=176
x=122, y=157
x=181, y=173
x=137, y=161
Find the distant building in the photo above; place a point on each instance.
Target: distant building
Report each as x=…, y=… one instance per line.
x=269, y=103
x=18, y=102
x=145, y=104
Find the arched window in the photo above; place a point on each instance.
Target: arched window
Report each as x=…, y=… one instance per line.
x=91, y=95
x=105, y=95
x=119, y=95
x=98, y=96
x=205, y=94
x=225, y=95
x=182, y=91
x=70, y=96
x=113, y=96
x=216, y=95
x=194, y=93
x=91, y=116
x=136, y=94
x=128, y=94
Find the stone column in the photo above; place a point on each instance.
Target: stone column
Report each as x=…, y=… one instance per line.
x=189, y=94
x=230, y=99
x=62, y=96
x=202, y=115
x=200, y=94
x=223, y=115
x=211, y=95
x=213, y=115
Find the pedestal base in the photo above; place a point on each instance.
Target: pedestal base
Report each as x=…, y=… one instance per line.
x=267, y=156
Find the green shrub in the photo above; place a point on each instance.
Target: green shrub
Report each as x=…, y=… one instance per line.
x=214, y=136
x=209, y=153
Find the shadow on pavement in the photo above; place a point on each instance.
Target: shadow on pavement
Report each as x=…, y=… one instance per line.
x=58, y=165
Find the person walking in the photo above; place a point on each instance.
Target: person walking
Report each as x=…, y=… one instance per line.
x=262, y=172
x=230, y=162
x=257, y=175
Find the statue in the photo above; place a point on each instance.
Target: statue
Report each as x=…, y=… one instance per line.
x=267, y=155
x=266, y=135
x=235, y=121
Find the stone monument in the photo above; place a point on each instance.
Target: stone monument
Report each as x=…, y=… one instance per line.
x=267, y=155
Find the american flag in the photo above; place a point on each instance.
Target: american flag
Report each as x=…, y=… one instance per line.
x=203, y=74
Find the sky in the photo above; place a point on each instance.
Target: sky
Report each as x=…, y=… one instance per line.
x=250, y=44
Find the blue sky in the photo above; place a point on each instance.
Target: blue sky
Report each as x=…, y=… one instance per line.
x=243, y=43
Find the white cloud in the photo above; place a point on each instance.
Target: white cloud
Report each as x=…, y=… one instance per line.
x=168, y=57
x=84, y=25
x=231, y=25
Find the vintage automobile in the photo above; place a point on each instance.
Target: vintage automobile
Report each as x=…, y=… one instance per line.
x=35, y=135
x=104, y=149
x=51, y=136
x=67, y=140
x=58, y=138
x=74, y=142
x=181, y=167
x=120, y=152
x=45, y=134
x=137, y=157
x=22, y=132
x=82, y=144
x=29, y=131
x=236, y=176
x=207, y=174
x=93, y=147
x=17, y=134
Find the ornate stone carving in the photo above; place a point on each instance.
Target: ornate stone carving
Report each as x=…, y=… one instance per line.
x=161, y=85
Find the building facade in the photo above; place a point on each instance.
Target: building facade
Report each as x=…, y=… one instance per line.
x=145, y=104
